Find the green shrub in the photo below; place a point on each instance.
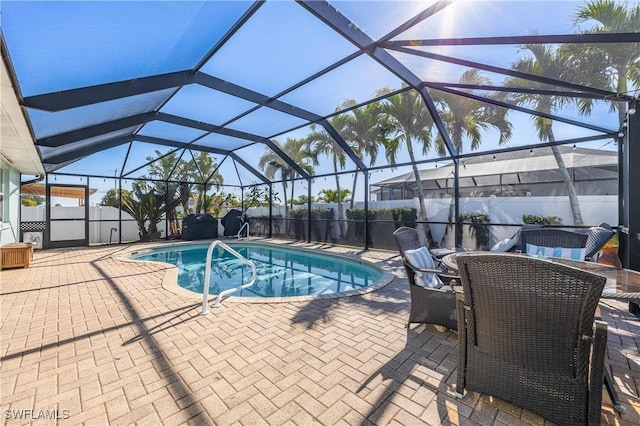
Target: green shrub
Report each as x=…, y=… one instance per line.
x=298, y=214
x=315, y=214
x=358, y=214
x=475, y=217
x=322, y=214
x=534, y=219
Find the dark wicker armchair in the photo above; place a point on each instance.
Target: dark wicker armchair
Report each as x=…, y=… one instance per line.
x=549, y=237
x=597, y=237
x=526, y=335
x=407, y=239
x=428, y=305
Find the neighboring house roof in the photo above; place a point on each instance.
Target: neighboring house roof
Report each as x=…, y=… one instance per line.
x=538, y=165
x=56, y=191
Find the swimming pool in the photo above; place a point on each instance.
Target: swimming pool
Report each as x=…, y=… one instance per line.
x=281, y=271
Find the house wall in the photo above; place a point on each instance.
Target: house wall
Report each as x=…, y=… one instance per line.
x=10, y=188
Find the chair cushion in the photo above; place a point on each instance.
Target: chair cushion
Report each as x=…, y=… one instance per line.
x=421, y=259
x=561, y=252
x=505, y=245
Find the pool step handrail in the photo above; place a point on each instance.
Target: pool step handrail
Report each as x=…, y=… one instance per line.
x=246, y=225
x=207, y=276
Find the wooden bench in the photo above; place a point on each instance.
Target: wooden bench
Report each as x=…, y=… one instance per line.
x=16, y=255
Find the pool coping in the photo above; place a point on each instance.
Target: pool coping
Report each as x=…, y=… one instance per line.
x=170, y=279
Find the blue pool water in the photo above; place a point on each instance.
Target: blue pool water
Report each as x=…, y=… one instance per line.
x=281, y=271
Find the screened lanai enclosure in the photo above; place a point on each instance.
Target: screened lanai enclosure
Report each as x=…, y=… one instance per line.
x=328, y=121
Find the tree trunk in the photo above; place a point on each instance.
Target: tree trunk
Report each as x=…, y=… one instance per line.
x=573, y=197
x=421, y=226
x=353, y=192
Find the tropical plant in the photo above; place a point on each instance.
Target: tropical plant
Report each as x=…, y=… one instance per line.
x=332, y=196
x=363, y=131
x=271, y=164
x=548, y=62
x=536, y=219
x=475, y=217
x=606, y=65
x=258, y=196
x=216, y=202
x=304, y=199
x=320, y=142
x=410, y=122
x=200, y=173
x=162, y=167
x=207, y=176
x=29, y=200
x=466, y=117
x=146, y=207
x=111, y=198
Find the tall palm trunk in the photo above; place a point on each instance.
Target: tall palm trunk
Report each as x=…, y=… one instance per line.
x=422, y=225
x=573, y=197
x=353, y=191
x=622, y=88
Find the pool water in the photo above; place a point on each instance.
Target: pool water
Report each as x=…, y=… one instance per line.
x=281, y=272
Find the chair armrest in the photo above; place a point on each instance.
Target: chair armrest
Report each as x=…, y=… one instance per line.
x=438, y=272
x=448, y=278
x=441, y=272
x=596, y=374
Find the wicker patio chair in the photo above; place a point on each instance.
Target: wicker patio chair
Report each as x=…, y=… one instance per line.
x=526, y=335
x=435, y=306
x=406, y=239
x=597, y=237
x=549, y=237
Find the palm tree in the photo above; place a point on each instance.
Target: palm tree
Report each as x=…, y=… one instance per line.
x=547, y=62
x=608, y=65
x=466, y=117
x=271, y=164
x=410, y=122
x=206, y=175
x=332, y=196
x=363, y=132
x=145, y=205
x=322, y=143
x=162, y=168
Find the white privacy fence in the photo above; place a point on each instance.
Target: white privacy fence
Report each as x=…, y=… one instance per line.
x=595, y=209
x=508, y=210
x=102, y=220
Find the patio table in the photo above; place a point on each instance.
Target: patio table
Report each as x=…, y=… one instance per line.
x=622, y=283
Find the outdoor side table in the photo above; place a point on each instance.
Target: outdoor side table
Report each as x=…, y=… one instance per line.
x=15, y=255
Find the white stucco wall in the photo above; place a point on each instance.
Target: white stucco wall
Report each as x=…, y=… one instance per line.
x=10, y=231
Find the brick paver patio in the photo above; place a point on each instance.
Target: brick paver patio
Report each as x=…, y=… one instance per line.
x=89, y=338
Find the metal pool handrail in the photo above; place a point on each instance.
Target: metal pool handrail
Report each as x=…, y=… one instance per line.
x=246, y=225
x=207, y=276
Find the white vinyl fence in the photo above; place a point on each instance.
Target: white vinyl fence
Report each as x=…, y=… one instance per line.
x=508, y=210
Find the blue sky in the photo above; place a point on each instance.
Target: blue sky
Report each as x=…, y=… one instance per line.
x=63, y=45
